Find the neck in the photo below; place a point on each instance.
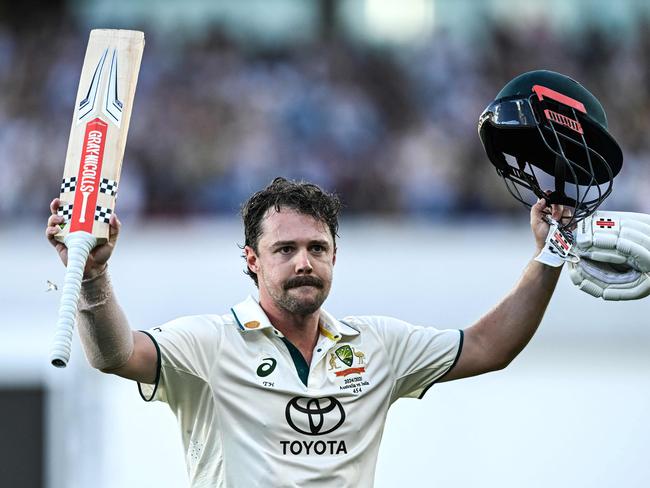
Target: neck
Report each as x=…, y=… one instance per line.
x=301, y=330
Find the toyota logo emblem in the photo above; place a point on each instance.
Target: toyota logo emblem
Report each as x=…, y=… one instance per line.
x=314, y=416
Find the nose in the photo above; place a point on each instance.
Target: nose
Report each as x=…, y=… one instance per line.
x=303, y=266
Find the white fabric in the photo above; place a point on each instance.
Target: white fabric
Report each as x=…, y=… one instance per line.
x=614, y=250
x=557, y=247
x=234, y=388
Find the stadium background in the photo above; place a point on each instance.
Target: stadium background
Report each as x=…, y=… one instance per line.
x=377, y=100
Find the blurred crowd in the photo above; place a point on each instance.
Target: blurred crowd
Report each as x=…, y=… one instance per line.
x=393, y=131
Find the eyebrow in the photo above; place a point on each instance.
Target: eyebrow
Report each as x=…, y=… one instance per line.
x=319, y=242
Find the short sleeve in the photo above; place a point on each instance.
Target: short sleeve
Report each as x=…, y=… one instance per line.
x=419, y=355
x=187, y=348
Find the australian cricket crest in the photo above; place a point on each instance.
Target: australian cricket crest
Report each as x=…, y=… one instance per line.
x=345, y=354
x=347, y=368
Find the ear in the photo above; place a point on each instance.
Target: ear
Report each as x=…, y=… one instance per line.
x=334, y=257
x=251, y=259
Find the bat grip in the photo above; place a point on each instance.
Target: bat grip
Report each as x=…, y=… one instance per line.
x=79, y=245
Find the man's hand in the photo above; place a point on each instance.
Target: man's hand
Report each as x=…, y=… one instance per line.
x=98, y=257
x=538, y=215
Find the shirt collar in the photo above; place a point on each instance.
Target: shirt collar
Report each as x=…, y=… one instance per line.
x=334, y=329
x=250, y=316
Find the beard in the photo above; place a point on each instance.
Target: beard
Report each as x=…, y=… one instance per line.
x=301, y=305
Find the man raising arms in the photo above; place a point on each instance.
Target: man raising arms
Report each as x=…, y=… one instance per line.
x=278, y=392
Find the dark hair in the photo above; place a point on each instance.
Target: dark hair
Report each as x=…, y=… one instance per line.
x=305, y=198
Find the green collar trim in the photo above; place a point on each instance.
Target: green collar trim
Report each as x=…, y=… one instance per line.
x=298, y=360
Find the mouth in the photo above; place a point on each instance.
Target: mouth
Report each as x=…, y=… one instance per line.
x=304, y=281
x=304, y=287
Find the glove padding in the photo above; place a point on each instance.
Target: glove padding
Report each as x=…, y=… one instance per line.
x=614, y=251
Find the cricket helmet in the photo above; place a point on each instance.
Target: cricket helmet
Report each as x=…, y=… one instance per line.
x=547, y=136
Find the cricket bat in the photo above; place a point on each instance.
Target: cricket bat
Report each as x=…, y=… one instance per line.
x=91, y=176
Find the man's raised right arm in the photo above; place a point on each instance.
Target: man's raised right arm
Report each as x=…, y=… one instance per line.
x=108, y=341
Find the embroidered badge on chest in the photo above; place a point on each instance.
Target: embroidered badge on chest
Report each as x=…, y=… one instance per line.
x=347, y=366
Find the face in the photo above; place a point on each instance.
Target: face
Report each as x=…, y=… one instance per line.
x=294, y=262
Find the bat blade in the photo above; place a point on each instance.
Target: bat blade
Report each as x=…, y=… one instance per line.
x=100, y=124
x=93, y=162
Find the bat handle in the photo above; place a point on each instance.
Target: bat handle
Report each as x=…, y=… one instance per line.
x=79, y=245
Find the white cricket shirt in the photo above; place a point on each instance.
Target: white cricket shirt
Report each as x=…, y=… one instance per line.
x=248, y=419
